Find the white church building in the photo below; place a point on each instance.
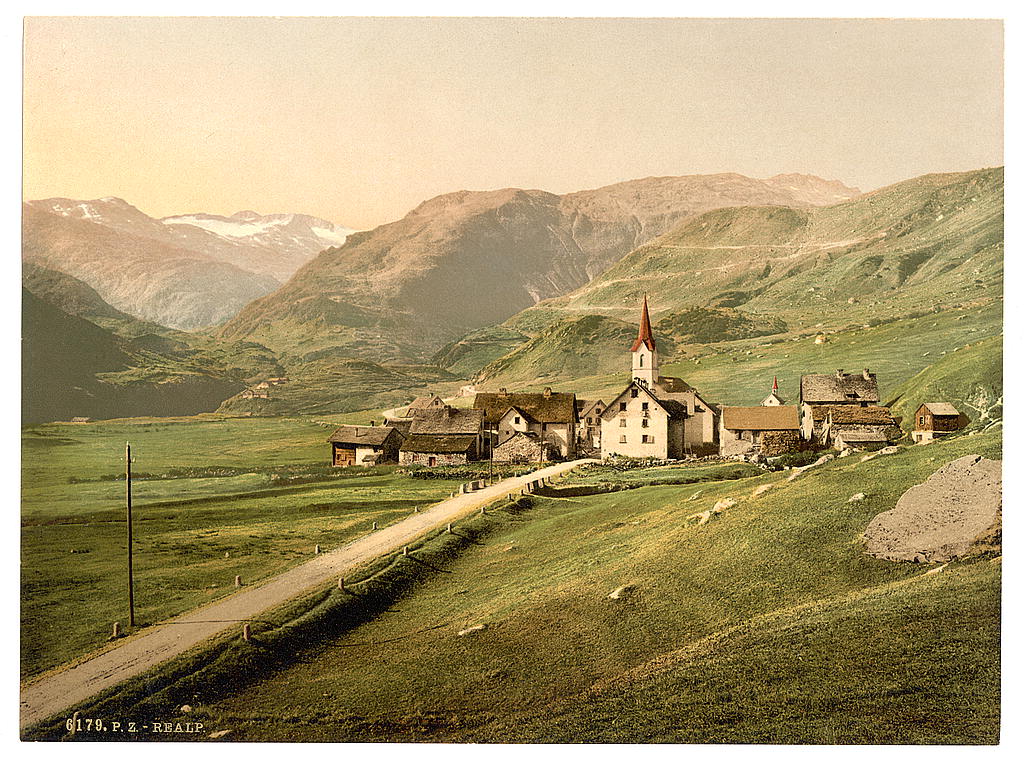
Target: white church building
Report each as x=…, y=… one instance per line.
x=656, y=416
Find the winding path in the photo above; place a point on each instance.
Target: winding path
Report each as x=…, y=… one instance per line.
x=143, y=651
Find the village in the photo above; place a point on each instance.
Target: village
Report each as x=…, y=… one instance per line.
x=654, y=417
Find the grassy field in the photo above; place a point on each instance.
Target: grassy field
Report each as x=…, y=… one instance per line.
x=767, y=624
x=216, y=497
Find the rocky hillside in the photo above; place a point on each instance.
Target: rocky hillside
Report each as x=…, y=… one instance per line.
x=185, y=271
x=469, y=259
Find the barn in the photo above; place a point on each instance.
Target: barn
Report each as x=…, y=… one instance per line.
x=364, y=445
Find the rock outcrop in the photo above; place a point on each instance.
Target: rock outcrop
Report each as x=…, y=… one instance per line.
x=956, y=512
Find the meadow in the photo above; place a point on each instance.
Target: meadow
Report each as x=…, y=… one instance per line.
x=214, y=498
x=767, y=624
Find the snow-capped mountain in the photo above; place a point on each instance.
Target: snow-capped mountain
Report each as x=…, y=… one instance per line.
x=184, y=271
x=274, y=245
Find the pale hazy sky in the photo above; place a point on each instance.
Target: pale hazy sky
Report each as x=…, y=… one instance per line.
x=358, y=120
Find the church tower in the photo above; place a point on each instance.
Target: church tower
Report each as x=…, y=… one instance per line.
x=645, y=354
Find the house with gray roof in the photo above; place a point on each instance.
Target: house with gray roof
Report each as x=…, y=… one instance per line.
x=548, y=418
x=364, y=445
x=443, y=436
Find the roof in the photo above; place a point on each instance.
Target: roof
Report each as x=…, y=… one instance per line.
x=370, y=436
x=862, y=435
x=839, y=387
x=778, y=418
x=672, y=384
x=556, y=407
x=584, y=406
x=447, y=420
x=853, y=415
x=644, y=336
x=438, y=443
x=940, y=408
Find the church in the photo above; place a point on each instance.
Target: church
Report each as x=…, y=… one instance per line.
x=656, y=416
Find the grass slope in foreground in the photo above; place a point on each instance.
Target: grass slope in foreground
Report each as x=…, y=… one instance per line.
x=215, y=498
x=768, y=624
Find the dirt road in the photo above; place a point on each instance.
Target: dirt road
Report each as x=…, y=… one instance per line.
x=131, y=657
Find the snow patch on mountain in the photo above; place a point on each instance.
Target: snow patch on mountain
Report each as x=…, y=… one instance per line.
x=225, y=227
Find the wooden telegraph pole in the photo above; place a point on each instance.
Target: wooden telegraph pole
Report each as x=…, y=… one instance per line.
x=128, y=505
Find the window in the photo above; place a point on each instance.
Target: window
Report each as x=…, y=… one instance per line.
x=643, y=423
x=622, y=438
x=518, y=419
x=647, y=439
x=645, y=405
x=598, y=411
x=543, y=427
x=920, y=420
x=641, y=360
x=634, y=393
x=622, y=422
x=590, y=420
x=622, y=407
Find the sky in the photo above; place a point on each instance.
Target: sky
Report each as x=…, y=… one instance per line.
x=358, y=120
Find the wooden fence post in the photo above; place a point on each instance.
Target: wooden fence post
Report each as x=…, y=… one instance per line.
x=238, y=581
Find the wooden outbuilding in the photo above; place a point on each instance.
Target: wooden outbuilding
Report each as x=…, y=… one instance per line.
x=364, y=445
x=936, y=419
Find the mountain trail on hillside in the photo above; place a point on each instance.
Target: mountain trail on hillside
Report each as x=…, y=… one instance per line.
x=956, y=509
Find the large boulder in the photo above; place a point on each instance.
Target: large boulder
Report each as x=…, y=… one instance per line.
x=956, y=511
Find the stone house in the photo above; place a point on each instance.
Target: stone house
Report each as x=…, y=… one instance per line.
x=656, y=416
x=549, y=416
x=830, y=425
x=443, y=436
x=364, y=445
x=768, y=430
x=934, y=420
x=524, y=447
x=840, y=388
x=437, y=450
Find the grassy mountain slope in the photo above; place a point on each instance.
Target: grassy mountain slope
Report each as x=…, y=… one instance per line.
x=933, y=240
x=466, y=260
x=71, y=367
x=598, y=345
x=740, y=372
x=971, y=378
x=767, y=624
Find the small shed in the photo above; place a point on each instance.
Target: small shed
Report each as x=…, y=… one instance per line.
x=873, y=438
x=364, y=445
x=936, y=419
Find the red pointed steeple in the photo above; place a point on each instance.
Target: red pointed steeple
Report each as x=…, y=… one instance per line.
x=645, y=335
x=775, y=384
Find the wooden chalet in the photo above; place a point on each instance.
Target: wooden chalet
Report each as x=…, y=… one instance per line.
x=934, y=420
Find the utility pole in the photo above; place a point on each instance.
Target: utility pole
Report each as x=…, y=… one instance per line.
x=128, y=505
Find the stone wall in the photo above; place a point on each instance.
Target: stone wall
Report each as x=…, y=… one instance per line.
x=780, y=442
x=406, y=458
x=521, y=449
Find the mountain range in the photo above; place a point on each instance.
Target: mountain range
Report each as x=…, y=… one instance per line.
x=185, y=272
x=515, y=287
x=464, y=260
